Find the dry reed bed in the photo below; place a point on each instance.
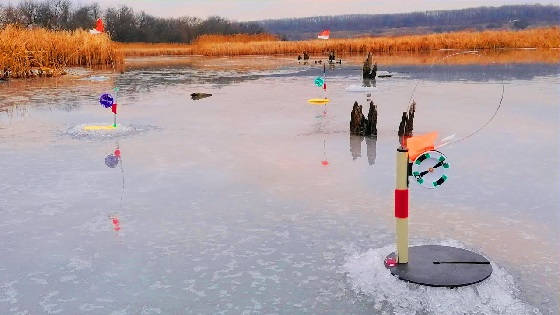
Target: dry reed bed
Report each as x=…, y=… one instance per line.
x=154, y=49
x=32, y=52
x=266, y=44
x=35, y=52
x=176, y=49
x=548, y=37
x=235, y=38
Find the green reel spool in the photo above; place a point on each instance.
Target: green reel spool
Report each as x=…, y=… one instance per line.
x=430, y=169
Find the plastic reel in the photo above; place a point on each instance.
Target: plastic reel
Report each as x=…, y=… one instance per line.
x=430, y=168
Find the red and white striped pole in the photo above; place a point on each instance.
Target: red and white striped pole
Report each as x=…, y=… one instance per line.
x=401, y=205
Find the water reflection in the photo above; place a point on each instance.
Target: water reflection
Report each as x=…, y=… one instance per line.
x=141, y=80
x=369, y=83
x=356, y=146
x=476, y=72
x=64, y=93
x=111, y=161
x=371, y=143
x=322, y=127
x=503, y=56
x=116, y=223
x=325, y=161
x=15, y=111
x=371, y=147
x=146, y=78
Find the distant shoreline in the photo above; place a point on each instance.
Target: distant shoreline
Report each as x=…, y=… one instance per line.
x=28, y=53
x=536, y=38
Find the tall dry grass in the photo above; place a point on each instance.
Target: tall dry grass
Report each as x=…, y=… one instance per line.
x=266, y=44
x=235, y=38
x=174, y=49
x=32, y=52
x=548, y=37
x=154, y=49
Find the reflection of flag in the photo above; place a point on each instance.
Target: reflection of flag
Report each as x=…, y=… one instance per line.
x=324, y=34
x=114, y=108
x=99, y=27
x=116, y=223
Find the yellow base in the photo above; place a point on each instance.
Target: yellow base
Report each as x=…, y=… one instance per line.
x=93, y=127
x=318, y=101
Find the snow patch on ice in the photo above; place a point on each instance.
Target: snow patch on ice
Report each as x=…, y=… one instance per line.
x=122, y=130
x=369, y=278
x=7, y=292
x=77, y=264
x=47, y=305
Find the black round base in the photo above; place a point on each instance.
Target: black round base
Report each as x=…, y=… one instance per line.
x=440, y=266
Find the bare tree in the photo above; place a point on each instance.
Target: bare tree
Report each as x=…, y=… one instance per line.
x=122, y=23
x=28, y=11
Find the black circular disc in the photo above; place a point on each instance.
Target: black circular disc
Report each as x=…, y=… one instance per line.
x=441, y=266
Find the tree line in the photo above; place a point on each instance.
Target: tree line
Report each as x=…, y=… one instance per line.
x=511, y=16
x=122, y=23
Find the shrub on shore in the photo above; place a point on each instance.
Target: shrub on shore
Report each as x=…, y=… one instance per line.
x=38, y=52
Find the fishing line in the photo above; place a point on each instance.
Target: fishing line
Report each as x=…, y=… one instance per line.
x=481, y=127
x=498, y=107
x=439, y=61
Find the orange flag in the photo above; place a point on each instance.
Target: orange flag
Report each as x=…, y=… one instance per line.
x=99, y=26
x=324, y=34
x=419, y=144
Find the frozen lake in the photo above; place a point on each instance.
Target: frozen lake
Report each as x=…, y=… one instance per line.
x=252, y=201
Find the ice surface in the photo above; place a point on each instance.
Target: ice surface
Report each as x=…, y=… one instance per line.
x=95, y=78
x=228, y=207
x=360, y=88
x=368, y=276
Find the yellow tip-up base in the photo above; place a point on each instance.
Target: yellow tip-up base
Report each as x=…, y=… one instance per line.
x=94, y=127
x=318, y=101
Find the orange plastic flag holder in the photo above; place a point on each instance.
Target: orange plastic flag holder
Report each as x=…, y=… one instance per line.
x=419, y=144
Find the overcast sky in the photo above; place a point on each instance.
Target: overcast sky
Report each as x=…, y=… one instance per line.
x=246, y=10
